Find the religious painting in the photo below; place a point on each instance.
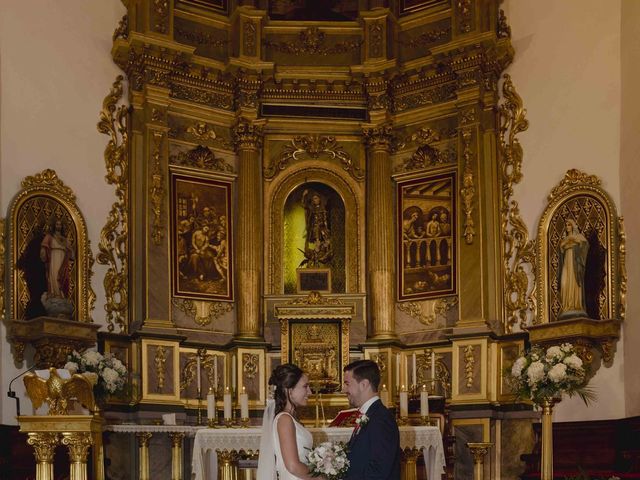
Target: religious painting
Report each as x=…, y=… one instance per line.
x=46, y=267
x=313, y=10
x=314, y=239
x=201, y=233
x=426, y=235
x=577, y=239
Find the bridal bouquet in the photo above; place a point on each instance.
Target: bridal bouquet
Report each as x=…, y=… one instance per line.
x=540, y=374
x=106, y=372
x=329, y=459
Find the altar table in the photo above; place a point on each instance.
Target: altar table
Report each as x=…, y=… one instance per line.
x=226, y=441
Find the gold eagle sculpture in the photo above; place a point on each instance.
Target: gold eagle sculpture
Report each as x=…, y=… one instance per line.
x=60, y=393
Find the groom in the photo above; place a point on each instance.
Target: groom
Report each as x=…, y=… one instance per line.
x=374, y=448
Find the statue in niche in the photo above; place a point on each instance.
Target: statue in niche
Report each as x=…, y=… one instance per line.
x=573, y=256
x=317, y=245
x=57, y=255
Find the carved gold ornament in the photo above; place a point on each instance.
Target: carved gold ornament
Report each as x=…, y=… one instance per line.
x=518, y=251
x=311, y=41
x=504, y=30
x=156, y=191
x=122, y=30
x=469, y=363
x=250, y=365
x=160, y=360
x=313, y=146
x=247, y=135
x=465, y=15
x=468, y=190
x=201, y=132
x=114, y=238
x=161, y=9
x=203, y=313
x=203, y=158
x=428, y=38
x=622, y=252
x=429, y=311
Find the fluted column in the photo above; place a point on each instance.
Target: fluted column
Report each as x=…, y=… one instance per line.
x=479, y=450
x=380, y=234
x=143, y=454
x=249, y=248
x=78, y=446
x=176, y=455
x=44, y=446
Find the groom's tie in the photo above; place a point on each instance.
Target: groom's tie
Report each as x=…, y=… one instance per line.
x=357, y=427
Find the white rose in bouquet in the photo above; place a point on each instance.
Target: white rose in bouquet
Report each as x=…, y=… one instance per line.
x=554, y=354
x=558, y=372
x=573, y=361
x=535, y=373
x=518, y=365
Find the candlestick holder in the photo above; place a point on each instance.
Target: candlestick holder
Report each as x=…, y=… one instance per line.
x=244, y=423
x=199, y=407
x=425, y=421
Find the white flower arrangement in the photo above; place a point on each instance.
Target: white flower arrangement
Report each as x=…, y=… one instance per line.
x=106, y=372
x=362, y=420
x=540, y=374
x=328, y=460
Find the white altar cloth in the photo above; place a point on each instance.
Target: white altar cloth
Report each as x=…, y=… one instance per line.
x=204, y=466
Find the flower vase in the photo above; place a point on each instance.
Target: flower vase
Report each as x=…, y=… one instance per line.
x=547, y=405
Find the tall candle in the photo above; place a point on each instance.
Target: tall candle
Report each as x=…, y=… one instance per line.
x=233, y=372
x=211, y=404
x=404, y=403
x=433, y=365
x=227, y=403
x=244, y=404
x=414, y=377
x=424, y=402
x=397, y=370
x=198, y=379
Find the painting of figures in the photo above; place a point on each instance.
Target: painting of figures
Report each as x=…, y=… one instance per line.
x=201, y=237
x=426, y=237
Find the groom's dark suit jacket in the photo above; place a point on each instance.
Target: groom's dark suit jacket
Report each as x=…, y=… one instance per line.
x=374, y=452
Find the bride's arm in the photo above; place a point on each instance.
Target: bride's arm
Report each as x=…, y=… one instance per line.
x=289, y=448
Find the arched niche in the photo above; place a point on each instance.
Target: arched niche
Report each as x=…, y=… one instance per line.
x=351, y=195
x=299, y=244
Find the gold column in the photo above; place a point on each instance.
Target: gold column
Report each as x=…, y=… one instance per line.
x=408, y=467
x=227, y=464
x=546, y=469
x=78, y=446
x=249, y=248
x=143, y=454
x=44, y=446
x=380, y=234
x=478, y=450
x=176, y=455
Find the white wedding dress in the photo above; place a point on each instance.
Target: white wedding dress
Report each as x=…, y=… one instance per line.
x=304, y=441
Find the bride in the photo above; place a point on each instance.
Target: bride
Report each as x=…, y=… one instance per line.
x=285, y=442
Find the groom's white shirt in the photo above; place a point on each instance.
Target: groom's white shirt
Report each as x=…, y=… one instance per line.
x=365, y=406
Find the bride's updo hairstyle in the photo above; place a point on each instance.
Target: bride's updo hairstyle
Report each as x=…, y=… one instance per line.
x=283, y=378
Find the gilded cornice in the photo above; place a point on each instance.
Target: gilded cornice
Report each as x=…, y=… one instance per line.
x=48, y=180
x=572, y=179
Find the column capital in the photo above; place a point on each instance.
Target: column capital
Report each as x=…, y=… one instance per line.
x=143, y=438
x=379, y=137
x=479, y=450
x=78, y=445
x=44, y=445
x=247, y=134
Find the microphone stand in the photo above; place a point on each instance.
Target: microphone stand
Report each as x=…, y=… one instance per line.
x=12, y=394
